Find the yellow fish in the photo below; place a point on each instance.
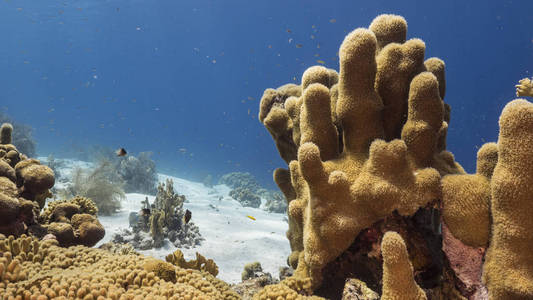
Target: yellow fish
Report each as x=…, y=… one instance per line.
x=251, y=217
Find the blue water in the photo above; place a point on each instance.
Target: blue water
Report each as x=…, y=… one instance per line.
x=169, y=74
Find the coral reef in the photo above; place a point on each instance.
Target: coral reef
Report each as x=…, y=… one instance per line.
x=508, y=270
x=366, y=155
x=21, y=137
x=101, y=184
x=164, y=219
x=240, y=180
x=138, y=173
x=34, y=269
x=200, y=263
x=253, y=270
x=380, y=149
x=253, y=280
x=24, y=187
x=73, y=222
x=275, y=202
x=245, y=197
x=247, y=191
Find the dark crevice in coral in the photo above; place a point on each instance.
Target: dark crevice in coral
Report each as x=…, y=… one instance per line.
x=363, y=261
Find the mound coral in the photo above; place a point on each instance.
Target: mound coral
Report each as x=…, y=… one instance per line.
x=366, y=150
x=42, y=270
x=24, y=187
x=73, y=222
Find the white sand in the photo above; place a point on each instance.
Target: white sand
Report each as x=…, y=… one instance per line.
x=231, y=238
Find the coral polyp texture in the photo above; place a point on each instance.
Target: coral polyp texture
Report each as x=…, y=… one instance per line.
x=508, y=269
x=360, y=148
x=366, y=154
x=32, y=269
x=398, y=281
x=24, y=186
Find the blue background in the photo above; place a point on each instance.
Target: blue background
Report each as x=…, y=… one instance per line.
x=169, y=74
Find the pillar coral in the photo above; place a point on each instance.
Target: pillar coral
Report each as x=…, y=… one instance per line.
x=508, y=269
x=398, y=281
x=360, y=144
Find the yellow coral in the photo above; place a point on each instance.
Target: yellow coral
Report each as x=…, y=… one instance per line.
x=524, y=88
x=398, y=277
x=55, y=209
x=200, y=263
x=381, y=148
x=508, y=270
x=43, y=269
x=466, y=200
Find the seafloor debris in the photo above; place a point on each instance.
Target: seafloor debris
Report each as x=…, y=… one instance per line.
x=366, y=150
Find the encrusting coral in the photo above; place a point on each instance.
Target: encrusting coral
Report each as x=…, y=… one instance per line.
x=360, y=148
x=33, y=269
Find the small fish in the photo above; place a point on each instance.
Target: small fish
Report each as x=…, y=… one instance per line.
x=250, y=217
x=299, y=45
x=321, y=62
x=289, y=31
x=332, y=21
x=121, y=152
x=187, y=216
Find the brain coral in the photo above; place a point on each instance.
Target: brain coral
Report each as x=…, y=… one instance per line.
x=34, y=269
x=360, y=144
